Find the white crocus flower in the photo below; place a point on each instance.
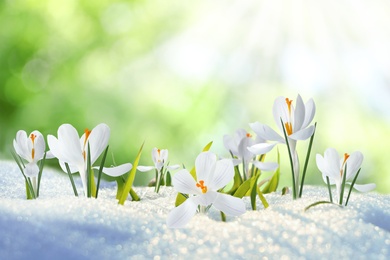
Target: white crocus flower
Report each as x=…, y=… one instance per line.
x=160, y=158
x=332, y=166
x=238, y=145
x=296, y=120
x=71, y=149
x=211, y=175
x=32, y=149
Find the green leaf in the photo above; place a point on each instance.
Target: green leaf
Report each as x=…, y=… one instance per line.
x=121, y=185
x=285, y=191
x=244, y=189
x=180, y=198
x=208, y=146
x=262, y=198
x=307, y=161
x=237, y=181
x=168, y=179
x=130, y=178
x=71, y=180
x=41, y=164
x=254, y=192
x=291, y=161
x=343, y=185
x=329, y=189
x=319, y=203
x=101, y=170
x=352, y=184
x=273, y=184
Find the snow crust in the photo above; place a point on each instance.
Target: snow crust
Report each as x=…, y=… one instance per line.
x=60, y=226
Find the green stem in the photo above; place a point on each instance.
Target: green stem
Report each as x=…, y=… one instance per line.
x=291, y=160
x=71, y=180
x=41, y=164
x=329, y=190
x=343, y=185
x=307, y=161
x=223, y=217
x=350, y=189
x=101, y=170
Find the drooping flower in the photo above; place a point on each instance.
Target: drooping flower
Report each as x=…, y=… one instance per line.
x=333, y=167
x=71, y=149
x=32, y=149
x=238, y=145
x=294, y=120
x=211, y=176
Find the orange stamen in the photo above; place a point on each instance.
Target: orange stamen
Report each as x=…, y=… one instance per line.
x=200, y=185
x=32, y=137
x=346, y=156
x=87, y=133
x=288, y=127
x=288, y=102
x=248, y=135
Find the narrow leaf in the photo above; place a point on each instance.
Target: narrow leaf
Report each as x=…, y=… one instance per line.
x=343, y=185
x=319, y=203
x=101, y=170
x=307, y=161
x=352, y=184
x=71, y=180
x=291, y=160
x=130, y=179
x=262, y=198
x=180, y=198
x=329, y=189
x=273, y=184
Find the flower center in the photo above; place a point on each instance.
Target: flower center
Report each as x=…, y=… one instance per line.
x=201, y=185
x=346, y=156
x=87, y=133
x=288, y=125
x=32, y=137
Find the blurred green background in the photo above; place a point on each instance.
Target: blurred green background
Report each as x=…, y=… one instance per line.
x=178, y=74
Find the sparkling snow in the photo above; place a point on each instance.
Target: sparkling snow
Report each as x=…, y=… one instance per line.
x=61, y=226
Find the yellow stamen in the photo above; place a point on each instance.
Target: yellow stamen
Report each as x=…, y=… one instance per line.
x=288, y=102
x=87, y=133
x=248, y=135
x=288, y=127
x=32, y=137
x=346, y=156
x=200, y=185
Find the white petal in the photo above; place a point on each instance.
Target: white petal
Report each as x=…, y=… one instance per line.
x=299, y=114
x=31, y=170
x=222, y=175
x=182, y=214
x=236, y=161
x=173, y=167
x=206, y=199
x=69, y=149
x=364, y=187
x=266, y=132
x=268, y=166
x=184, y=182
x=155, y=155
x=303, y=134
x=332, y=160
x=229, y=205
x=72, y=168
x=243, y=151
x=20, y=145
x=145, y=168
x=354, y=162
x=164, y=155
x=280, y=111
x=118, y=170
x=40, y=146
x=261, y=148
x=204, y=165
x=98, y=141
x=310, y=110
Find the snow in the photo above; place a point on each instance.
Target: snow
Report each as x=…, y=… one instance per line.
x=60, y=226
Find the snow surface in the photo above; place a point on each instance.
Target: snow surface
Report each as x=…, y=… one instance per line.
x=61, y=226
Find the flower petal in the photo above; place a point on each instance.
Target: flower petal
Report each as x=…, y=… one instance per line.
x=354, y=162
x=118, y=170
x=68, y=146
x=182, y=214
x=31, y=170
x=332, y=162
x=299, y=114
x=173, y=167
x=145, y=168
x=310, y=110
x=204, y=165
x=280, y=111
x=184, y=182
x=266, y=132
x=303, y=134
x=39, y=146
x=229, y=205
x=261, y=148
x=364, y=187
x=268, y=166
x=222, y=175
x=98, y=141
x=243, y=151
x=20, y=145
